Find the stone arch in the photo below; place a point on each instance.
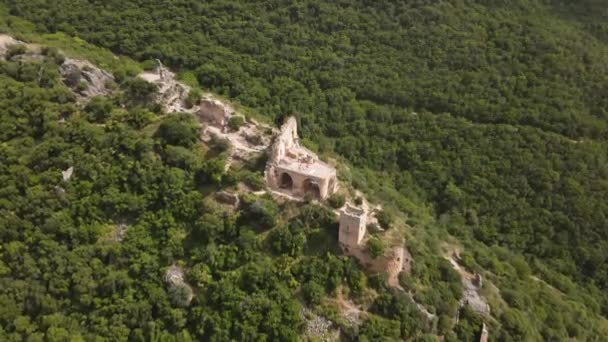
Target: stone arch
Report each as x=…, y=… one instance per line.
x=286, y=182
x=312, y=187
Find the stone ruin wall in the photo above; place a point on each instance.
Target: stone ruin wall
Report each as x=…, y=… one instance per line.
x=287, y=138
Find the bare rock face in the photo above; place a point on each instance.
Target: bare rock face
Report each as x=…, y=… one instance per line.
x=85, y=79
x=5, y=42
x=172, y=94
x=67, y=174
x=318, y=327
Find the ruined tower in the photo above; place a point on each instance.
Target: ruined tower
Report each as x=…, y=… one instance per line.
x=352, y=226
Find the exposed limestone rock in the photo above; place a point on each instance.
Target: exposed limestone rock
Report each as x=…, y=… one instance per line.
x=485, y=333
x=295, y=170
x=85, y=79
x=5, y=42
x=471, y=290
x=67, y=174
x=120, y=232
x=241, y=145
x=172, y=94
x=317, y=327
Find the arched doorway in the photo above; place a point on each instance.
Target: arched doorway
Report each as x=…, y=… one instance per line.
x=286, y=182
x=311, y=187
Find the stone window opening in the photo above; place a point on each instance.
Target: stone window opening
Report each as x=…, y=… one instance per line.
x=286, y=181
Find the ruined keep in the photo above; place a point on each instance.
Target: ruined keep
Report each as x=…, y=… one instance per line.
x=295, y=170
x=352, y=226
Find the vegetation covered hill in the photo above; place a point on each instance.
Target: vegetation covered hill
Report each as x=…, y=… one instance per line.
x=484, y=119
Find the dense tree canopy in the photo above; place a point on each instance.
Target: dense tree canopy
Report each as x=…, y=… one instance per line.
x=491, y=115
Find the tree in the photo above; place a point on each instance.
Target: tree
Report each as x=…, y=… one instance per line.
x=99, y=109
x=178, y=129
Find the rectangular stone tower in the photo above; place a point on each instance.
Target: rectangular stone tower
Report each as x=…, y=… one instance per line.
x=353, y=223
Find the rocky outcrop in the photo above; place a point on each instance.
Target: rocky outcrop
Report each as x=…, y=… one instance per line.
x=67, y=174
x=85, y=79
x=5, y=42
x=171, y=94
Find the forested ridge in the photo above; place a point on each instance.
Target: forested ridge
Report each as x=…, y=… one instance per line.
x=489, y=116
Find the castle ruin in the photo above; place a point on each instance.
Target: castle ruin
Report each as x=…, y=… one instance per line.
x=294, y=170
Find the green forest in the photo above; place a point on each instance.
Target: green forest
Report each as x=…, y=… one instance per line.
x=483, y=122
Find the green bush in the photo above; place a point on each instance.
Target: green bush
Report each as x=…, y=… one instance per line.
x=235, y=122
x=375, y=247
x=15, y=50
x=98, y=109
x=178, y=129
x=336, y=200
x=255, y=181
x=194, y=98
x=54, y=54
x=385, y=219
x=149, y=65
x=313, y=292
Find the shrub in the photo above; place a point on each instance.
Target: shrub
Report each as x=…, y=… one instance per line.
x=255, y=181
x=194, y=98
x=15, y=50
x=180, y=295
x=82, y=86
x=313, y=292
x=336, y=201
x=149, y=65
x=54, y=54
x=178, y=130
x=98, y=109
x=385, y=219
x=375, y=247
x=219, y=143
x=235, y=122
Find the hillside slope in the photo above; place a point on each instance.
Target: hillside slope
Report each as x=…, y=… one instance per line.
x=487, y=122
